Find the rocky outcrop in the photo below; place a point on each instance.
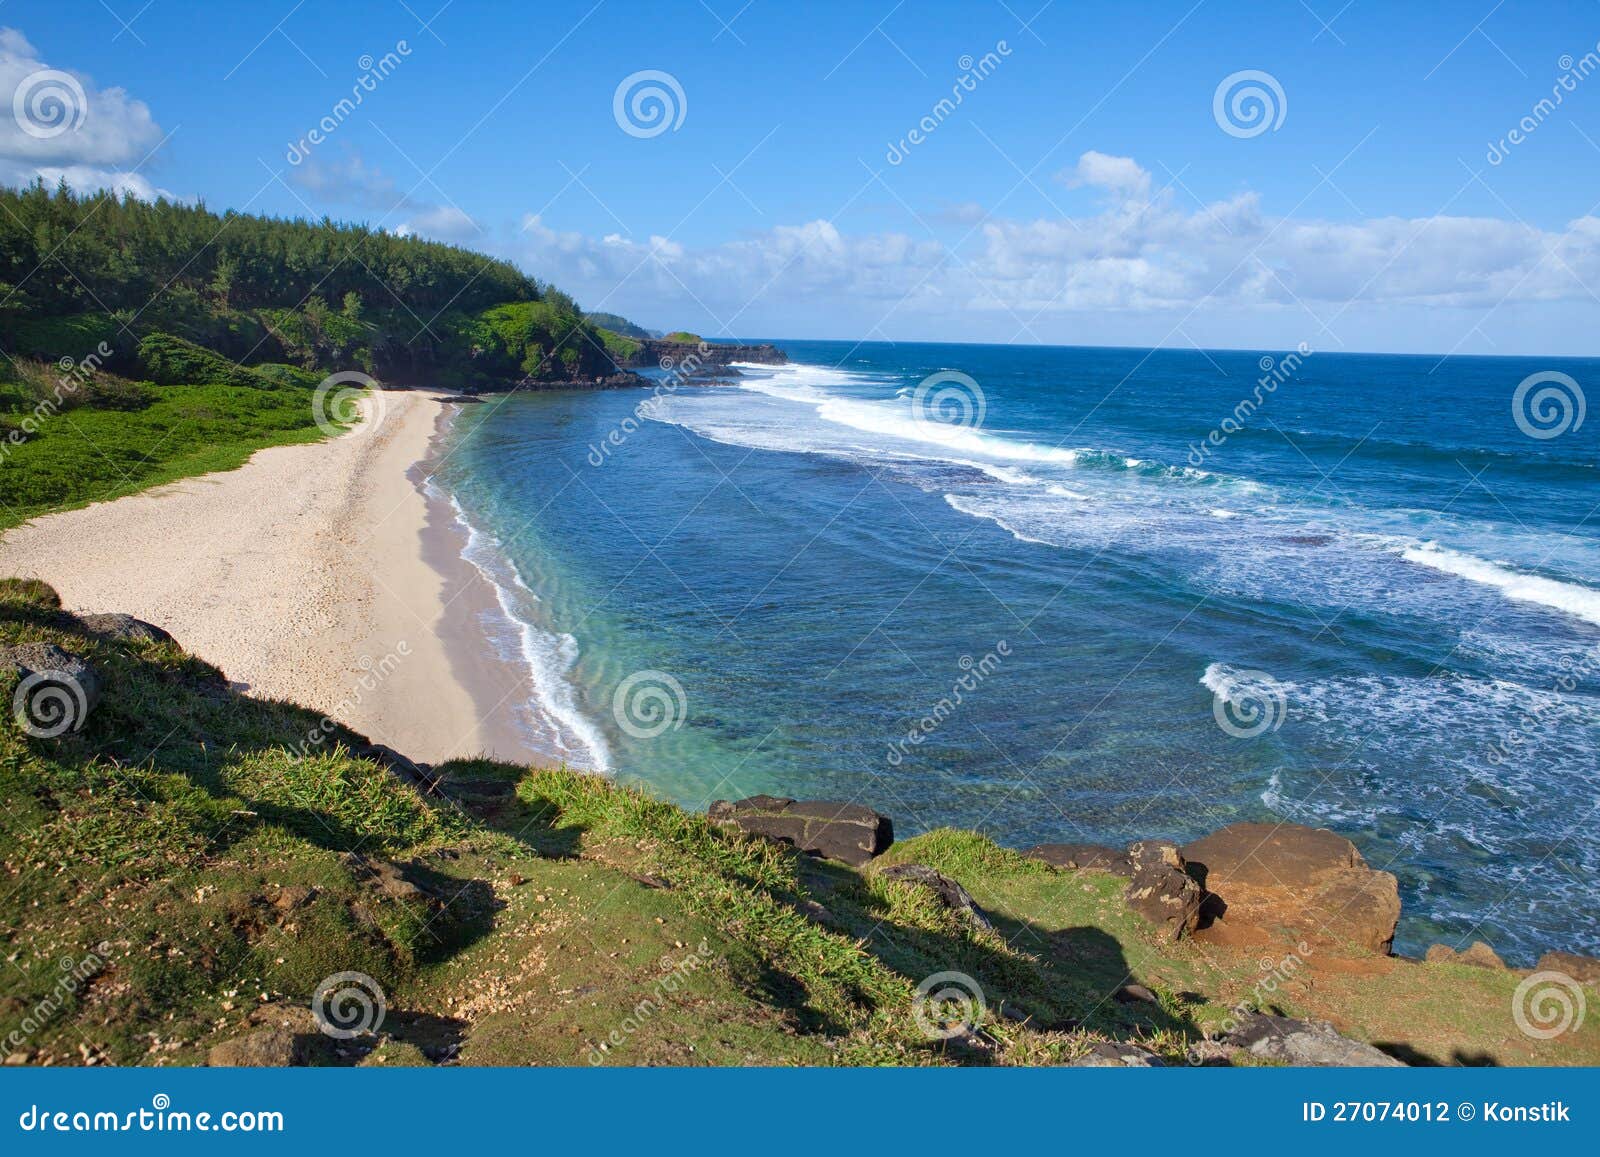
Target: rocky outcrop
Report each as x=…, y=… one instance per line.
x=846, y=832
x=123, y=629
x=1075, y=857
x=1161, y=890
x=1479, y=955
x=951, y=894
x=56, y=690
x=1585, y=969
x=1304, y=1042
x=669, y=355
x=1285, y=878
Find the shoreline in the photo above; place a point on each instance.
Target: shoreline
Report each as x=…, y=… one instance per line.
x=320, y=573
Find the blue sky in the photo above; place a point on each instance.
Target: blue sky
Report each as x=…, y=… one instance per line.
x=1083, y=190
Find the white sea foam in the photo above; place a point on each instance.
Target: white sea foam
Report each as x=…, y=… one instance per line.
x=548, y=656
x=1584, y=602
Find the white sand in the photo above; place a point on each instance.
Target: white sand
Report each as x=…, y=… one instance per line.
x=301, y=575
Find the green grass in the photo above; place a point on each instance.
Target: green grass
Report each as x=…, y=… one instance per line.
x=683, y=335
x=218, y=872
x=88, y=454
x=620, y=348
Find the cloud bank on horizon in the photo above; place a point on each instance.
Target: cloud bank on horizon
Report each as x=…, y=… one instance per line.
x=1148, y=264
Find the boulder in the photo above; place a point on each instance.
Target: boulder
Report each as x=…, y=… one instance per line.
x=124, y=628
x=264, y=1048
x=951, y=894
x=1117, y=1055
x=846, y=832
x=1160, y=888
x=1585, y=969
x=1074, y=857
x=1304, y=1042
x=1287, y=878
x=1479, y=955
x=56, y=689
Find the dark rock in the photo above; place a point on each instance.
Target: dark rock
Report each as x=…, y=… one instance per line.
x=846, y=832
x=1479, y=955
x=1075, y=857
x=675, y=354
x=1117, y=1055
x=1161, y=890
x=1585, y=969
x=1135, y=994
x=951, y=894
x=1306, y=882
x=390, y=878
x=1304, y=1042
x=124, y=628
x=56, y=689
x=264, y=1048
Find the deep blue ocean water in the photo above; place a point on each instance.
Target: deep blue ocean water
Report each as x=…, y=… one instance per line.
x=1047, y=603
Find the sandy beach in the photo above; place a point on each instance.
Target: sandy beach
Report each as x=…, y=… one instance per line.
x=320, y=574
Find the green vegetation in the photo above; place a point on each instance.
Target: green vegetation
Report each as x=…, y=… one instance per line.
x=619, y=347
x=143, y=342
x=516, y=916
x=323, y=296
x=619, y=325
x=683, y=335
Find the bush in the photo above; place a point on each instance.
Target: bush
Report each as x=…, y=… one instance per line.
x=171, y=361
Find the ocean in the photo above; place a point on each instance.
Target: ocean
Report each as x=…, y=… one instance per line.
x=1082, y=594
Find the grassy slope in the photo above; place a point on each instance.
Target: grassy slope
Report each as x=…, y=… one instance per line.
x=85, y=455
x=179, y=828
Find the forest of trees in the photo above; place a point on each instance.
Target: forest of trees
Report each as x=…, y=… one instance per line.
x=318, y=295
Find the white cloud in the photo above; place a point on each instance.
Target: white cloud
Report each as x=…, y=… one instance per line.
x=1141, y=263
x=55, y=123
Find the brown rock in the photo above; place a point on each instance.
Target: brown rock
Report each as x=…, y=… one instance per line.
x=1161, y=890
x=1307, y=883
x=1585, y=969
x=1479, y=955
x=1075, y=857
x=835, y=831
x=264, y=1048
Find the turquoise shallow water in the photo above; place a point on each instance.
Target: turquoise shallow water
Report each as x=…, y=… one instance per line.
x=1083, y=594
